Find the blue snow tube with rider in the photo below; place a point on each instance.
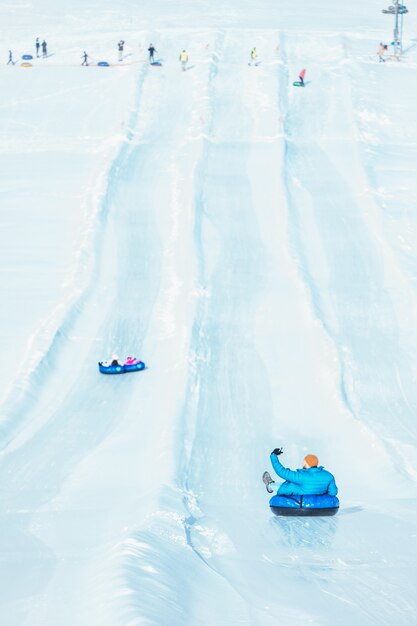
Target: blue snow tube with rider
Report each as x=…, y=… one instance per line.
x=121, y=369
x=134, y=367
x=304, y=505
x=110, y=369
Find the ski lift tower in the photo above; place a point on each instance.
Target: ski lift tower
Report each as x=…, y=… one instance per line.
x=398, y=10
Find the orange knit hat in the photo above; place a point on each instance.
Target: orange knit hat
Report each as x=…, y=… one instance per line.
x=312, y=460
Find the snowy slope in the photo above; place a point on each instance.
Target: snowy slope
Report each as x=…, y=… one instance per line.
x=254, y=244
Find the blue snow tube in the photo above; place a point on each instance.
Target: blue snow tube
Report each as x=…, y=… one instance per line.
x=27, y=57
x=121, y=369
x=304, y=505
x=110, y=369
x=103, y=64
x=134, y=367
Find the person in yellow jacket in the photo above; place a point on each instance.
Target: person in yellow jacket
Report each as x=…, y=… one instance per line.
x=253, y=56
x=184, y=59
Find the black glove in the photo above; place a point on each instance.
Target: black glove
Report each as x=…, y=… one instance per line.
x=277, y=451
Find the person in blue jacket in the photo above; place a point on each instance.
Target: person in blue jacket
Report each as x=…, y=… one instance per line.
x=312, y=479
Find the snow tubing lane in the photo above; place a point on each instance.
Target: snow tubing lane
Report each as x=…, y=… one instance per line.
x=304, y=505
x=121, y=369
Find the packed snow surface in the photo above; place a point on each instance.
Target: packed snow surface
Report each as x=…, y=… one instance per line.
x=255, y=244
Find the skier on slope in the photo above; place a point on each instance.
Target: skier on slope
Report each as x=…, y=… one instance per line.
x=151, y=51
x=37, y=46
x=253, y=56
x=85, y=58
x=301, y=77
x=312, y=479
x=44, y=49
x=184, y=59
x=10, y=58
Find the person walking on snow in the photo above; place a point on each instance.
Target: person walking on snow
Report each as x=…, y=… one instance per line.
x=44, y=49
x=151, y=51
x=184, y=59
x=37, y=46
x=10, y=58
x=301, y=77
x=253, y=56
x=381, y=52
x=312, y=479
x=121, y=47
x=84, y=58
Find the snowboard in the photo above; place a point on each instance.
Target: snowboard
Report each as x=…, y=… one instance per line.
x=156, y=63
x=298, y=84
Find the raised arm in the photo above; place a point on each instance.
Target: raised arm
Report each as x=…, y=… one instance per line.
x=282, y=471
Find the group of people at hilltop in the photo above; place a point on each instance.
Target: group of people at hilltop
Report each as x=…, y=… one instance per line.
x=38, y=47
x=85, y=58
x=183, y=57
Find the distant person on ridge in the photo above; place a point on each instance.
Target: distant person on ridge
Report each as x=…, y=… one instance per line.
x=301, y=77
x=184, y=59
x=151, y=51
x=37, y=46
x=381, y=51
x=121, y=47
x=312, y=479
x=44, y=49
